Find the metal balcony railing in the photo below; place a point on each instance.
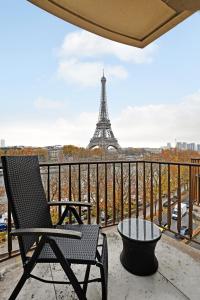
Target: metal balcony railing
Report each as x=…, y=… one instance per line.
x=121, y=189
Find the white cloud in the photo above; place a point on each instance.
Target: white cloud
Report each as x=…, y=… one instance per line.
x=62, y=131
x=154, y=125
x=83, y=44
x=83, y=55
x=43, y=103
x=87, y=73
x=136, y=126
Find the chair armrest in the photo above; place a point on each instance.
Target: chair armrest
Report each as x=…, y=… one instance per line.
x=69, y=203
x=48, y=232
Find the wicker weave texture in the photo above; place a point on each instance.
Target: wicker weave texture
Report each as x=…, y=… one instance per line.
x=76, y=251
x=26, y=194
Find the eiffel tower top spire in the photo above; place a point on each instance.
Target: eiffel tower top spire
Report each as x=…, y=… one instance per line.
x=103, y=111
x=103, y=136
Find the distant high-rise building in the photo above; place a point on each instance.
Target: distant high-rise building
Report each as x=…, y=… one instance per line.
x=184, y=146
x=198, y=147
x=169, y=145
x=191, y=146
x=2, y=143
x=179, y=145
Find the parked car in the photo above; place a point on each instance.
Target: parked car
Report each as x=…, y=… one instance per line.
x=187, y=203
x=3, y=227
x=172, y=201
x=183, y=231
x=84, y=217
x=175, y=211
x=165, y=204
x=103, y=216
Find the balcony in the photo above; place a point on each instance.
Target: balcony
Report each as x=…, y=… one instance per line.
x=177, y=276
x=117, y=190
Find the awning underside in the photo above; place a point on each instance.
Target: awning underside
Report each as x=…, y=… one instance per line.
x=132, y=22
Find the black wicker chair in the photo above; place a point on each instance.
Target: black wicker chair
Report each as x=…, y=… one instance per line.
x=64, y=244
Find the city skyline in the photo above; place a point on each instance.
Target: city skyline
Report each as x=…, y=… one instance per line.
x=50, y=82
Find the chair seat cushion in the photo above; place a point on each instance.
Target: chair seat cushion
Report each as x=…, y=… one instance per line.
x=75, y=250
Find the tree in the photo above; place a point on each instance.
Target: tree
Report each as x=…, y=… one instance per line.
x=40, y=152
x=1, y=152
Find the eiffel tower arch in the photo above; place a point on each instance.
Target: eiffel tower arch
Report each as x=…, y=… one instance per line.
x=103, y=136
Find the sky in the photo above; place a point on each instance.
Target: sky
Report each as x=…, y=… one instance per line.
x=50, y=82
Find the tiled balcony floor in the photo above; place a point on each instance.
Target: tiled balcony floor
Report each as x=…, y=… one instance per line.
x=177, y=277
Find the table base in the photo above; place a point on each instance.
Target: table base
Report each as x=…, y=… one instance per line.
x=138, y=257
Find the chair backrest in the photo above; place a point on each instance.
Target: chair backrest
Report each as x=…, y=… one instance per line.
x=26, y=195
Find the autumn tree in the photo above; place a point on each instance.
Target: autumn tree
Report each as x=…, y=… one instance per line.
x=2, y=152
x=40, y=152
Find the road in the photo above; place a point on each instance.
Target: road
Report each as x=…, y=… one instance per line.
x=184, y=219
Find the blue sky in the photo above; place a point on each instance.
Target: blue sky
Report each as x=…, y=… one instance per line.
x=50, y=75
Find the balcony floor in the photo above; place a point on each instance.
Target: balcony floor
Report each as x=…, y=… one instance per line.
x=177, y=276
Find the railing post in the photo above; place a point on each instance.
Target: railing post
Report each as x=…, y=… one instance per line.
x=169, y=197
x=151, y=194
x=79, y=187
x=59, y=190
x=106, y=194
x=160, y=195
x=48, y=183
x=190, y=225
x=179, y=201
x=70, y=191
x=97, y=193
x=122, y=192
x=114, y=211
x=136, y=190
x=88, y=190
x=144, y=190
x=129, y=190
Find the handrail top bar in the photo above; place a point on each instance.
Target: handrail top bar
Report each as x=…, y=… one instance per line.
x=117, y=162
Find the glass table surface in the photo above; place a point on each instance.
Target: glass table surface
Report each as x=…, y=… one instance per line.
x=139, y=230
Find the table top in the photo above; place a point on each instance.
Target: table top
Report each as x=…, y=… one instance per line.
x=139, y=230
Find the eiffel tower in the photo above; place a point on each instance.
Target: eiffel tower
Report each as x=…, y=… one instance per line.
x=103, y=136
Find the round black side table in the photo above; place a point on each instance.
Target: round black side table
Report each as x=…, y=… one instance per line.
x=139, y=239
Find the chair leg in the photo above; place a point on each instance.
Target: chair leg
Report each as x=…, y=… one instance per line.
x=67, y=269
x=76, y=215
x=19, y=286
x=63, y=216
x=103, y=284
x=28, y=268
x=87, y=273
x=103, y=264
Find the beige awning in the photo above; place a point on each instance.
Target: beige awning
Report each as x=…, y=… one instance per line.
x=132, y=22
